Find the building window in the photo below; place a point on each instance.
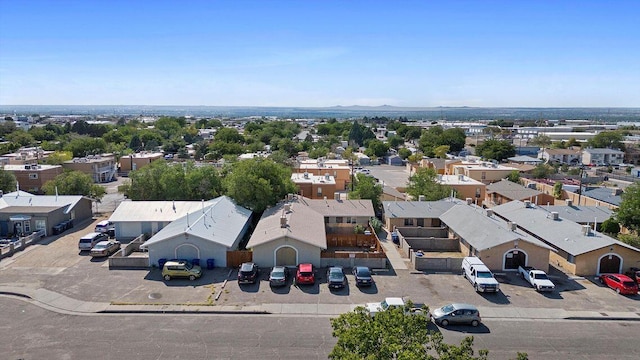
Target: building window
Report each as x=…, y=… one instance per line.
x=27, y=227
x=570, y=258
x=408, y=222
x=339, y=220
x=33, y=176
x=484, y=175
x=319, y=191
x=41, y=224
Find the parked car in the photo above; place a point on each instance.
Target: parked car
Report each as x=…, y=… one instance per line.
x=105, y=248
x=456, y=314
x=278, y=276
x=393, y=303
x=103, y=226
x=336, y=278
x=621, y=283
x=634, y=274
x=363, y=276
x=90, y=240
x=305, y=275
x=248, y=273
x=180, y=269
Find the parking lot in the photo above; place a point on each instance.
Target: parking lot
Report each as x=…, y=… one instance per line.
x=57, y=265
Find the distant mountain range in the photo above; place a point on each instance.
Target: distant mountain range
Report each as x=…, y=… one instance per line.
x=340, y=112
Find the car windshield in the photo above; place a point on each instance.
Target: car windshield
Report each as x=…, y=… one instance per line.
x=302, y=273
x=85, y=240
x=335, y=273
x=363, y=272
x=447, y=308
x=188, y=266
x=541, y=276
x=384, y=305
x=100, y=246
x=484, y=274
x=277, y=273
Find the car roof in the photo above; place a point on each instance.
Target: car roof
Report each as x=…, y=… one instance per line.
x=622, y=277
x=460, y=306
x=246, y=266
x=305, y=267
x=103, y=242
x=394, y=301
x=91, y=235
x=362, y=268
x=278, y=268
x=175, y=262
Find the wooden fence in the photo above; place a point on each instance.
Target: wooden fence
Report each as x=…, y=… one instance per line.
x=351, y=240
x=236, y=258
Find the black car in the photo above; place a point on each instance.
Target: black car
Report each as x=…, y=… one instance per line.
x=363, y=276
x=248, y=273
x=336, y=278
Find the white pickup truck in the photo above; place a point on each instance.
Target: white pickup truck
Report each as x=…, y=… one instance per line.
x=479, y=275
x=389, y=303
x=537, y=278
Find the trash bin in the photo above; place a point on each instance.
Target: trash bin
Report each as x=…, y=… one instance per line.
x=161, y=262
x=195, y=262
x=210, y=264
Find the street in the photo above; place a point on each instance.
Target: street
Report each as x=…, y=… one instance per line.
x=30, y=332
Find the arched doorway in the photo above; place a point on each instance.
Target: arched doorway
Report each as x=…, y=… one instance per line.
x=187, y=252
x=286, y=256
x=609, y=263
x=514, y=258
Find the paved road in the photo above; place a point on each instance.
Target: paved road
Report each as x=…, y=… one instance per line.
x=29, y=332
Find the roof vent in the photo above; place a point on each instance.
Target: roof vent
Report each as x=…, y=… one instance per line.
x=287, y=207
x=421, y=198
x=336, y=196
x=460, y=177
x=283, y=221
x=489, y=212
x=512, y=226
x=554, y=215
x=569, y=202
x=527, y=203
x=617, y=192
x=469, y=201
x=586, y=230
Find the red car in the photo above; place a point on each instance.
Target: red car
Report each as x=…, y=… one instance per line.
x=621, y=283
x=305, y=275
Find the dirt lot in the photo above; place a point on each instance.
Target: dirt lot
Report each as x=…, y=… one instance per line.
x=56, y=264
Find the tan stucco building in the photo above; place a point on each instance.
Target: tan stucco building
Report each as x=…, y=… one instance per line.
x=136, y=161
x=101, y=168
x=31, y=178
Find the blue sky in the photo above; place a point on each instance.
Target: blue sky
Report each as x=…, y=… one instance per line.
x=321, y=53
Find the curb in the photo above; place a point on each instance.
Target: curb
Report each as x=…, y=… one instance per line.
x=604, y=318
x=205, y=312
x=10, y=293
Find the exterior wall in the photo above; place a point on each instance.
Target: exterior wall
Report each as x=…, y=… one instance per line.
x=127, y=230
x=372, y=263
x=613, y=158
x=342, y=175
x=94, y=167
x=469, y=191
x=540, y=199
x=362, y=220
x=82, y=211
x=207, y=249
x=426, y=263
x=264, y=255
x=587, y=264
x=537, y=257
x=392, y=223
x=43, y=175
x=486, y=176
x=128, y=163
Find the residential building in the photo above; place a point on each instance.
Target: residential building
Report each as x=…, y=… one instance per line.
x=415, y=213
x=504, y=191
x=485, y=172
x=27, y=156
x=339, y=170
x=136, y=161
x=32, y=177
x=465, y=187
x=314, y=186
x=601, y=157
x=206, y=234
x=22, y=213
x=583, y=215
x=577, y=248
x=632, y=154
x=560, y=156
x=101, y=168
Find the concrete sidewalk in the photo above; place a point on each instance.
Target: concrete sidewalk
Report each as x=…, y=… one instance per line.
x=63, y=304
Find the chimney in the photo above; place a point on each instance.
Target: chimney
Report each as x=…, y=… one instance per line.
x=283, y=221
x=289, y=197
x=617, y=192
x=489, y=212
x=287, y=207
x=469, y=201
x=336, y=196
x=421, y=198
x=554, y=215
x=586, y=230
x=513, y=226
x=527, y=203
x=569, y=202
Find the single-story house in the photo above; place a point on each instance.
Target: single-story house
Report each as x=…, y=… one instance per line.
x=414, y=213
x=22, y=213
x=205, y=234
x=133, y=218
x=578, y=249
x=499, y=244
x=503, y=191
x=395, y=160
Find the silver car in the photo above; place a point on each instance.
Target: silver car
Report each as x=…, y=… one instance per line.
x=456, y=314
x=278, y=276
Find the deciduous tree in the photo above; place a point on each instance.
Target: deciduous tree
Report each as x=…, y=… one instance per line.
x=629, y=212
x=424, y=182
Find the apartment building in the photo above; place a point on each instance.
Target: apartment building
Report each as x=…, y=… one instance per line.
x=31, y=178
x=102, y=168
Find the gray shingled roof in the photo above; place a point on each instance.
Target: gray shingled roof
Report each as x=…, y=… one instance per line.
x=605, y=195
x=512, y=190
x=582, y=214
x=304, y=224
x=481, y=231
x=563, y=233
x=331, y=207
x=416, y=209
x=221, y=222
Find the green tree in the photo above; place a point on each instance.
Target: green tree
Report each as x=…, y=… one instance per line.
x=441, y=151
x=610, y=226
x=495, y=149
x=258, y=183
x=541, y=140
x=542, y=171
x=630, y=239
x=424, y=182
x=7, y=181
x=557, y=190
x=608, y=139
x=365, y=187
x=376, y=148
x=404, y=153
x=629, y=212
x=356, y=134
x=58, y=157
x=74, y=183
x=514, y=176
x=84, y=145
x=393, y=334
x=395, y=141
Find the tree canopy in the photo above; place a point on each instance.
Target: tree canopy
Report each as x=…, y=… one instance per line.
x=435, y=136
x=365, y=187
x=7, y=181
x=424, y=182
x=608, y=139
x=74, y=183
x=496, y=149
x=394, y=334
x=629, y=212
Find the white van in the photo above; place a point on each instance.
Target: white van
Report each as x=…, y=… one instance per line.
x=103, y=226
x=90, y=240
